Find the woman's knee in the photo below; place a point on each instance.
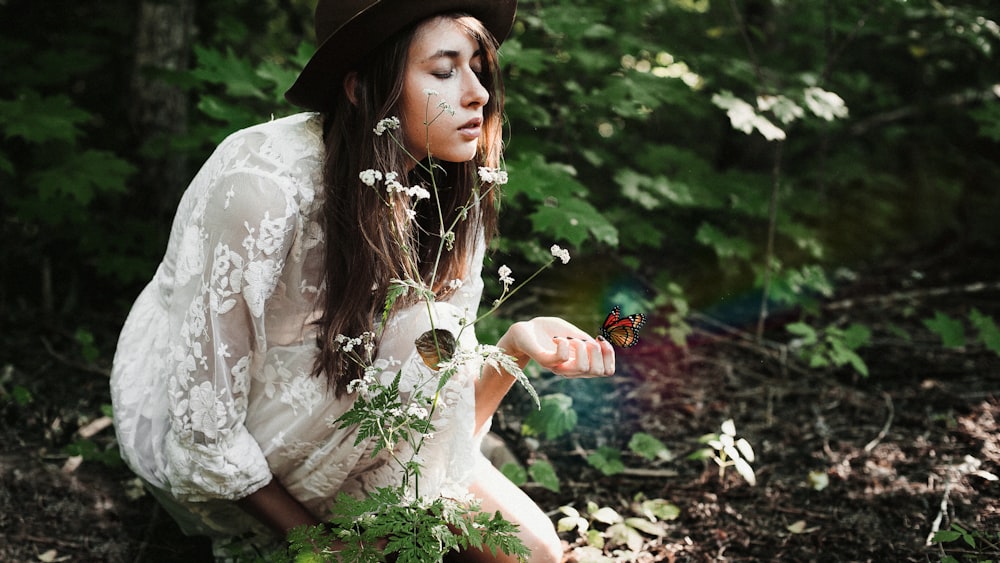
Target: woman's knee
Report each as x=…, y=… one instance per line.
x=536, y=529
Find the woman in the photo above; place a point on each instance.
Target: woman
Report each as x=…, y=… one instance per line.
x=229, y=378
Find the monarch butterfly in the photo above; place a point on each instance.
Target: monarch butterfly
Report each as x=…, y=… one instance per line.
x=622, y=331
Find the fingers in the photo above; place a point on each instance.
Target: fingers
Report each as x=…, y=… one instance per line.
x=577, y=357
x=561, y=348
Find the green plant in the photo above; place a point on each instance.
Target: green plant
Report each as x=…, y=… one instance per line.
x=554, y=417
x=832, y=346
x=729, y=451
x=18, y=394
x=952, y=331
x=607, y=460
x=629, y=532
x=649, y=447
x=984, y=546
x=544, y=474
x=88, y=346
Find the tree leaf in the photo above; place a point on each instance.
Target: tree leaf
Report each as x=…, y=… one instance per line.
x=37, y=119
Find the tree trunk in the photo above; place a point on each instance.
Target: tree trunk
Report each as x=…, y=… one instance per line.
x=158, y=110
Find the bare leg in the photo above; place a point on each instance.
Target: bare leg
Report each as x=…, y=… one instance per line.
x=536, y=530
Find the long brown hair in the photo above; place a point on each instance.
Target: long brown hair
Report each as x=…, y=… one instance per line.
x=363, y=234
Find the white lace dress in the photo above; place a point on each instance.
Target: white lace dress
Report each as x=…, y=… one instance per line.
x=211, y=381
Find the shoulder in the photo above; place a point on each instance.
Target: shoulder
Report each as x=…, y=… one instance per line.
x=282, y=156
x=282, y=142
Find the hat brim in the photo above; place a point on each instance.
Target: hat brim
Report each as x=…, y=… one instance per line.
x=320, y=81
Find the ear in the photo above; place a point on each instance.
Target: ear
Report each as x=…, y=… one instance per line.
x=350, y=87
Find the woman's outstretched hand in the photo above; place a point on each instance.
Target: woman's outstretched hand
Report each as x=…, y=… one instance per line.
x=559, y=347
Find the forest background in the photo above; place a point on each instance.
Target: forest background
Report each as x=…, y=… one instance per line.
x=738, y=168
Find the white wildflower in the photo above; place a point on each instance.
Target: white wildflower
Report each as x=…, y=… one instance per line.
x=492, y=176
x=393, y=186
x=416, y=411
x=504, y=272
x=455, y=284
x=359, y=386
x=560, y=253
x=418, y=192
x=369, y=177
x=386, y=124
x=446, y=107
x=430, y=92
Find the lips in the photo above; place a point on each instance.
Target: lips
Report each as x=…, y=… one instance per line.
x=473, y=124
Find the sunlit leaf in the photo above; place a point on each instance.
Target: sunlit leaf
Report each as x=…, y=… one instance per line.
x=606, y=460
x=649, y=447
x=545, y=475
x=606, y=515
x=554, y=417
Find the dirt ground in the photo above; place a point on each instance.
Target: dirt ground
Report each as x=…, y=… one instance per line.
x=913, y=448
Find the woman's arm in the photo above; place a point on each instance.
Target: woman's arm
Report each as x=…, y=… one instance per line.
x=273, y=505
x=556, y=345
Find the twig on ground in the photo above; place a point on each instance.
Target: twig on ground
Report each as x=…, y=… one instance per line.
x=977, y=287
x=885, y=428
x=76, y=365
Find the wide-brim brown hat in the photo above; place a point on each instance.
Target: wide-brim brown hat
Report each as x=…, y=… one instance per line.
x=347, y=30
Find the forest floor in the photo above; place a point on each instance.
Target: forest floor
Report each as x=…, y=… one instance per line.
x=848, y=468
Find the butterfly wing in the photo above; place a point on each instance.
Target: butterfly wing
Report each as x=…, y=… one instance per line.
x=622, y=331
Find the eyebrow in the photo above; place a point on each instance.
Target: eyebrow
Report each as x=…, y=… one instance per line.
x=451, y=54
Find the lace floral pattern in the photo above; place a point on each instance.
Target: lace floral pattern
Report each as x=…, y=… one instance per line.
x=212, y=385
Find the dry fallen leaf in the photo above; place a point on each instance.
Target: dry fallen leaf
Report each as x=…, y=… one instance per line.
x=799, y=527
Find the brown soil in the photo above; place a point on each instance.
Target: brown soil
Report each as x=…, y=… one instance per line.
x=912, y=448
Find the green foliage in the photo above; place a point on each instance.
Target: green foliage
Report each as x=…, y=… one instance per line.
x=989, y=334
x=544, y=474
x=385, y=525
x=952, y=331
x=554, y=418
x=630, y=532
x=515, y=472
x=649, y=447
x=607, y=460
x=831, y=346
x=980, y=547
x=11, y=392
x=88, y=347
x=91, y=451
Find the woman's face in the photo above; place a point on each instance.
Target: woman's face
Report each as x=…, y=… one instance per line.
x=442, y=69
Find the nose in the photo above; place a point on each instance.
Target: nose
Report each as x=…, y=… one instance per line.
x=475, y=94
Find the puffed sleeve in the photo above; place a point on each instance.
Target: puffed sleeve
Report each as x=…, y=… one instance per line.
x=230, y=261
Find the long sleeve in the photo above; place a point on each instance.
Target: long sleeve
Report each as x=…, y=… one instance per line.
x=229, y=264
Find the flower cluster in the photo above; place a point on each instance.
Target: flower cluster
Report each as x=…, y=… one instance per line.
x=387, y=124
x=560, y=253
x=504, y=272
x=496, y=176
x=347, y=344
x=442, y=105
